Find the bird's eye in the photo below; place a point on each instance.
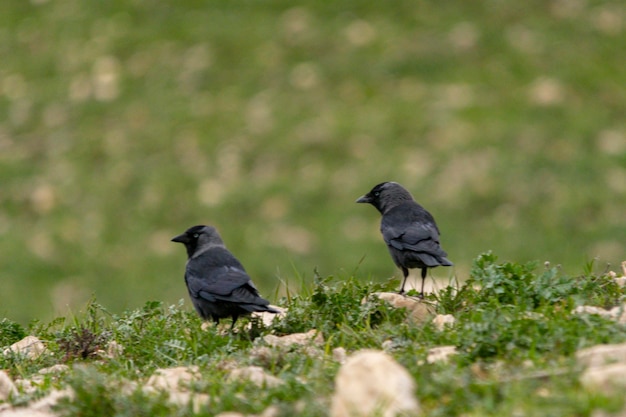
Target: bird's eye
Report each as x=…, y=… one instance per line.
x=377, y=193
x=195, y=235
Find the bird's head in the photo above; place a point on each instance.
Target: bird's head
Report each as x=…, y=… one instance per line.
x=386, y=196
x=199, y=237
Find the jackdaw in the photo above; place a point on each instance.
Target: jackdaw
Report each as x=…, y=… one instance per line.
x=218, y=284
x=409, y=231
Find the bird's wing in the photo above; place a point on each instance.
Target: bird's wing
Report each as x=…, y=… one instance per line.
x=410, y=228
x=219, y=276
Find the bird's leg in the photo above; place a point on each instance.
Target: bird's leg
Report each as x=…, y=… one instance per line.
x=232, y=326
x=424, y=270
x=405, y=272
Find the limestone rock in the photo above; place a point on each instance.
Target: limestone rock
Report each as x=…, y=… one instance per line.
x=25, y=412
x=592, y=310
x=310, y=337
x=172, y=379
x=617, y=313
x=606, y=378
x=183, y=399
x=54, y=369
x=621, y=281
x=601, y=355
x=7, y=388
x=256, y=375
x=30, y=346
x=268, y=318
x=372, y=383
x=46, y=403
x=419, y=310
x=339, y=354
x=441, y=354
x=441, y=321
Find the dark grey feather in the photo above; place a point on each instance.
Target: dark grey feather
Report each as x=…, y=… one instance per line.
x=410, y=232
x=217, y=282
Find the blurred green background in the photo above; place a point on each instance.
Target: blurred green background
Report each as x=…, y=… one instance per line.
x=124, y=122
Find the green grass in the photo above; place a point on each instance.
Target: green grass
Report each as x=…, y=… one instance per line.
x=123, y=123
x=516, y=338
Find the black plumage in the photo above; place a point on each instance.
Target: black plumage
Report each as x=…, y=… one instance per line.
x=218, y=284
x=409, y=231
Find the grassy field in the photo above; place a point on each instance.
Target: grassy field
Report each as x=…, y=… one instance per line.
x=123, y=122
x=516, y=340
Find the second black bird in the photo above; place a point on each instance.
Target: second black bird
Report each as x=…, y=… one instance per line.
x=218, y=284
x=409, y=231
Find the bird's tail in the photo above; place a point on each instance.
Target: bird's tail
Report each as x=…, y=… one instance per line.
x=259, y=308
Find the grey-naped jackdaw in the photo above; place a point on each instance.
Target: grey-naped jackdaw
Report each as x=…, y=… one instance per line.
x=218, y=284
x=409, y=231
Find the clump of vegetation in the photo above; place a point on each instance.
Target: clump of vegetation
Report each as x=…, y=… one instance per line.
x=10, y=332
x=516, y=335
x=82, y=343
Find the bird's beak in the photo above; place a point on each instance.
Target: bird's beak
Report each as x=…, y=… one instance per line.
x=364, y=199
x=181, y=238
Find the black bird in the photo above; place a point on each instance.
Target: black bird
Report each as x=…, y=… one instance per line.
x=218, y=284
x=410, y=232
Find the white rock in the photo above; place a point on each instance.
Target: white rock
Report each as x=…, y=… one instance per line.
x=419, y=310
x=601, y=355
x=621, y=281
x=339, y=354
x=441, y=321
x=310, y=337
x=268, y=318
x=7, y=387
x=30, y=346
x=592, y=310
x=440, y=354
x=387, y=345
x=183, y=399
x=46, y=403
x=256, y=375
x=26, y=412
x=607, y=378
x=373, y=383
x=173, y=379
x=54, y=369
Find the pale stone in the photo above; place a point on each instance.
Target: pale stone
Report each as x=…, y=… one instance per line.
x=387, y=345
x=183, y=399
x=54, y=369
x=7, y=387
x=49, y=401
x=606, y=378
x=256, y=375
x=268, y=318
x=30, y=346
x=271, y=411
x=310, y=337
x=440, y=354
x=441, y=321
x=262, y=354
x=373, y=383
x=339, y=354
x=419, y=310
x=26, y=412
x=592, y=310
x=601, y=355
x=171, y=379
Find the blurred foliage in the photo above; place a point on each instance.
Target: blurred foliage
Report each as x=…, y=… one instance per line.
x=124, y=122
x=514, y=341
